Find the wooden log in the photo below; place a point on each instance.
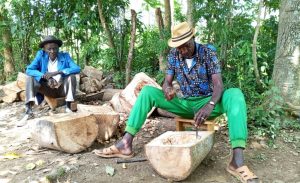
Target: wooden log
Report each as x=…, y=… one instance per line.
x=71, y=133
x=22, y=96
x=109, y=93
x=123, y=102
x=21, y=81
x=91, y=85
x=107, y=80
x=10, y=92
x=107, y=119
x=80, y=96
x=175, y=155
x=165, y=113
x=92, y=72
x=94, y=96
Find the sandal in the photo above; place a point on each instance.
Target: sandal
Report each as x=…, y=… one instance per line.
x=243, y=173
x=112, y=152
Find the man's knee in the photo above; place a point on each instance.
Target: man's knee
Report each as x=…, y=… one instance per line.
x=234, y=93
x=29, y=79
x=71, y=78
x=148, y=90
x=31, y=83
x=70, y=81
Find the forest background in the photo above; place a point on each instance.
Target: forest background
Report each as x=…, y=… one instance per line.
x=257, y=43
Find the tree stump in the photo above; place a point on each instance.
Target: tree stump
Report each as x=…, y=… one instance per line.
x=175, y=155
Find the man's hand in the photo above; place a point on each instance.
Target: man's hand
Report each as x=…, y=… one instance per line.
x=52, y=83
x=203, y=114
x=49, y=75
x=169, y=92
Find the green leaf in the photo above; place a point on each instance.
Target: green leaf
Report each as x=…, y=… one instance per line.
x=11, y=155
x=110, y=170
x=30, y=166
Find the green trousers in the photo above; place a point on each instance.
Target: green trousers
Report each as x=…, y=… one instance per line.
x=232, y=104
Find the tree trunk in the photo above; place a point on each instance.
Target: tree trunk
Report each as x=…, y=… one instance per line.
x=26, y=50
x=254, y=44
x=286, y=73
x=160, y=24
x=228, y=25
x=123, y=33
x=131, y=48
x=87, y=56
x=159, y=21
x=105, y=26
x=168, y=15
x=77, y=50
x=190, y=12
x=9, y=67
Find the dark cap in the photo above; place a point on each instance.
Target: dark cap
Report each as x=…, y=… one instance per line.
x=50, y=39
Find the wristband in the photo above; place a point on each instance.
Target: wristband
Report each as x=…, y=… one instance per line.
x=212, y=103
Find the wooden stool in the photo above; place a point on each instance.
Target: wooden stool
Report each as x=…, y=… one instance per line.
x=181, y=123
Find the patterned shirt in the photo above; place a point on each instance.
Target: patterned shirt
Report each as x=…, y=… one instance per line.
x=195, y=81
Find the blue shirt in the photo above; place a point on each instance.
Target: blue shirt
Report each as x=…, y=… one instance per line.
x=195, y=81
x=39, y=66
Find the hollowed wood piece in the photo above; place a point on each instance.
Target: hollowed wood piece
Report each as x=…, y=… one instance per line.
x=175, y=155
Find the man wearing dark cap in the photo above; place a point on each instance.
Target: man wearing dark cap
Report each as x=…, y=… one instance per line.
x=51, y=73
x=198, y=72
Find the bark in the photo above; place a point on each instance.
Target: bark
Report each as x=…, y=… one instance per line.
x=105, y=26
x=131, y=48
x=286, y=72
x=167, y=15
x=9, y=67
x=190, y=12
x=254, y=44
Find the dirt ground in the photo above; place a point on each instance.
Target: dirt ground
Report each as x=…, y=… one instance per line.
x=22, y=160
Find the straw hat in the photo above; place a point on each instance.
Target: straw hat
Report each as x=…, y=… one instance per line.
x=181, y=33
x=50, y=39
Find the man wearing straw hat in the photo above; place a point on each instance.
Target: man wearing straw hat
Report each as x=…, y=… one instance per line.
x=198, y=72
x=51, y=73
